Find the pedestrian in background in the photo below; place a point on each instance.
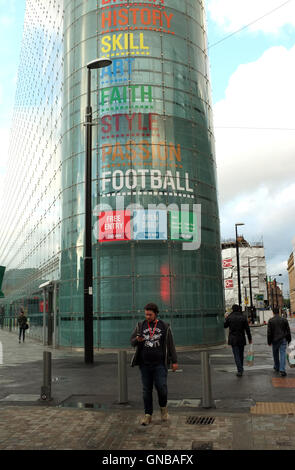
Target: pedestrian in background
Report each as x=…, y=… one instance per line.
x=278, y=334
x=155, y=351
x=253, y=314
x=238, y=326
x=22, y=321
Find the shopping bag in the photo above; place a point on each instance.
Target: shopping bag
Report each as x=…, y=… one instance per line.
x=250, y=356
x=291, y=354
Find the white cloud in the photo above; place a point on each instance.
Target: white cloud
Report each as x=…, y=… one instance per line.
x=260, y=95
x=268, y=215
x=256, y=167
x=232, y=15
x=8, y=18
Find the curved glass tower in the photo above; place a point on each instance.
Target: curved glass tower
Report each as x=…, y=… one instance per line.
x=155, y=212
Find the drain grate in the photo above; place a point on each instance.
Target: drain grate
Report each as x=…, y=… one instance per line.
x=82, y=401
x=202, y=420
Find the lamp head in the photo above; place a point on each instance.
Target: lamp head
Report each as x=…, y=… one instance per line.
x=99, y=63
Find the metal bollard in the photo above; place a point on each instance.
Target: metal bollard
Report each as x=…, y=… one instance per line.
x=122, y=376
x=46, y=387
x=207, y=401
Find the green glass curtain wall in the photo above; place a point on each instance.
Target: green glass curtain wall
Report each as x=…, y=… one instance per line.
x=153, y=143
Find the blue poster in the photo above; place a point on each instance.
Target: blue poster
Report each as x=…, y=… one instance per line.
x=150, y=224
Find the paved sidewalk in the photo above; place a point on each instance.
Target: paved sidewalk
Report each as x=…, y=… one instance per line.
x=39, y=428
x=256, y=412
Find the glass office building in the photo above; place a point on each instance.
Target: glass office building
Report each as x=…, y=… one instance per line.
x=30, y=232
x=155, y=212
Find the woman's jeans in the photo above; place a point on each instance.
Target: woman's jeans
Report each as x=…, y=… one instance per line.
x=22, y=332
x=279, y=354
x=150, y=375
x=238, y=352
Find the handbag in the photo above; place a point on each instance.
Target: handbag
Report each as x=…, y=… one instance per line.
x=26, y=326
x=250, y=356
x=291, y=354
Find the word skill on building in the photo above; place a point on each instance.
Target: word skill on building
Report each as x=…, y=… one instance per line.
x=124, y=44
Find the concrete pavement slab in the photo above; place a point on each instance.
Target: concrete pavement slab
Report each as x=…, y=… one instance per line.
x=30, y=428
x=251, y=412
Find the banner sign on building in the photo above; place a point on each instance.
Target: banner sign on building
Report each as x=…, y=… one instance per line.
x=147, y=224
x=229, y=283
x=150, y=225
x=114, y=225
x=227, y=263
x=183, y=226
x=131, y=111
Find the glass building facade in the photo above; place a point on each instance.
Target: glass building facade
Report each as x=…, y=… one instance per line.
x=30, y=232
x=155, y=212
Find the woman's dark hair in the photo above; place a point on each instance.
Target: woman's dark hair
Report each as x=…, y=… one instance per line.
x=153, y=307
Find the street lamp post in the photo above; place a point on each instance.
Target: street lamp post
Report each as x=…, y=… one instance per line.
x=238, y=264
x=280, y=284
x=276, y=292
x=88, y=269
x=250, y=284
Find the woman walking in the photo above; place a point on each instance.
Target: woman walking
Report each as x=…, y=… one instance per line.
x=23, y=325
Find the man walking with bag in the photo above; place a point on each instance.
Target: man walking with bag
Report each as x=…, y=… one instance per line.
x=155, y=350
x=278, y=334
x=238, y=326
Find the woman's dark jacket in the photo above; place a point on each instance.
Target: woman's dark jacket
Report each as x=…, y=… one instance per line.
x=22, y=321
x=238, y=326
x=168, y=345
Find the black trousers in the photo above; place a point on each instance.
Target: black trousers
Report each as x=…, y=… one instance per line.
x=22, y=332
x=238, y=352
x=154, y=375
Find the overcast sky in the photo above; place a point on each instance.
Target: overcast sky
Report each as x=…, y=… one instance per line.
x=253, y=76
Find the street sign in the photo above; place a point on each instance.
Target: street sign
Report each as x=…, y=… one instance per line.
x=227, y=263
x=229, y=283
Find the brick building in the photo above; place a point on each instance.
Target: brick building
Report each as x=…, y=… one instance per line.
x=291, y=273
